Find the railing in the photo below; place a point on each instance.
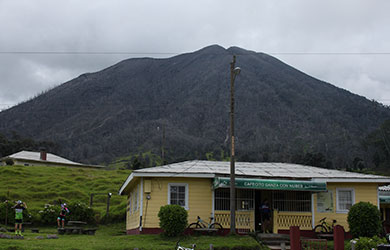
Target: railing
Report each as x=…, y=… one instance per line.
x=284, y=220
x=245, y=221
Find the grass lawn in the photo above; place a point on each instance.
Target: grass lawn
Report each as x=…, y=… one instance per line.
x=113, y=237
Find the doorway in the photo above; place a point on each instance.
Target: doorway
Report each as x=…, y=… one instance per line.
x=260, y=197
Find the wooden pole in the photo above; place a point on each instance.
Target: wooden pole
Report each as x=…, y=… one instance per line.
x=232, y=153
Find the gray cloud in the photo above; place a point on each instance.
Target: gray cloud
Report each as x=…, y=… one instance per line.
x=182, y=26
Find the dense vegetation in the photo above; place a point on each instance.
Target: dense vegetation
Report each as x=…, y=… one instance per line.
x=377, y=144
x=38, y=186
x=181, y=105
x=15, y=143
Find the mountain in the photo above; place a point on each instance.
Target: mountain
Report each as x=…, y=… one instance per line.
x=281, y=113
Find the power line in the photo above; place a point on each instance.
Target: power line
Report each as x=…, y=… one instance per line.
x=176, y=53
x=87, y=53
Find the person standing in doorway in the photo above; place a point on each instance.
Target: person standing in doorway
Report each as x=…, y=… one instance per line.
x=265, y=216
x=19, y=207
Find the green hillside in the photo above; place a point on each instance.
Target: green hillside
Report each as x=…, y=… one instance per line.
x=38, y=186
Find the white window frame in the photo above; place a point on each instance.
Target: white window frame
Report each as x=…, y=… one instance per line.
x=338, y=209
x=186, y=193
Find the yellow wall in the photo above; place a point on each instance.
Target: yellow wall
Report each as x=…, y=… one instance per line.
x=200, y=200
x=366, y=192
x=133, y=213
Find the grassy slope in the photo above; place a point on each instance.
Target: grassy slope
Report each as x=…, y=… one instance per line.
x=38, y=186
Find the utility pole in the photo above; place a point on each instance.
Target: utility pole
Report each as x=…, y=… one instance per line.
x=232, y=163
x=162, y=144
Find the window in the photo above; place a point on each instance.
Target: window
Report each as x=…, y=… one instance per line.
x=345, y=199
x=178, y=194
x=244, y=199
x=292, y=201
x=222, y=199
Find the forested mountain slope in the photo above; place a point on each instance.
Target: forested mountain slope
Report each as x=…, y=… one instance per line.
x=281, y=113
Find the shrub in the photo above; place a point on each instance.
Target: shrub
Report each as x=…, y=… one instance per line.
x=9, y=162
x=81, y=212
x=173, y=219
x=49, y=214
x=364, y=243
x=364, y=220
x=77, y=211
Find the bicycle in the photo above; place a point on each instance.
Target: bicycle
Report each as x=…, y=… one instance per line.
x=178, y=247
x=202, y=224
x=324, y=227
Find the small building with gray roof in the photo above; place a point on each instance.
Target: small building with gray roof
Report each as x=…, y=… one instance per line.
x=42, y=158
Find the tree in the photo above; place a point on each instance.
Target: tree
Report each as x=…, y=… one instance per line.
x=377, y=144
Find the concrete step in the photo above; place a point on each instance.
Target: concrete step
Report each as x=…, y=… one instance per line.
x=274, y=237
x=275, y=241
x=278, y=247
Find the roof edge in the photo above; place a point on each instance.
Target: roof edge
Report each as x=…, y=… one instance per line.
x=349, y=180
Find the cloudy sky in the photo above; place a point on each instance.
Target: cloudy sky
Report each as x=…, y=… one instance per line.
x=44, y=43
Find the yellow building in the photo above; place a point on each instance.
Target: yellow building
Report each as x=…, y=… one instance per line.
x=297, y=195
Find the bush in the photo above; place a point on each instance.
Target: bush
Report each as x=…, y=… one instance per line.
x=81, y=212
x=9, y=162
x=364, y=220
x=364, y=243
x=173, y=219
x=77, y=211
x=49, y=214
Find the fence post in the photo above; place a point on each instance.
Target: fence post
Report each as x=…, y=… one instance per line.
x=338, y=236
x=295, y=238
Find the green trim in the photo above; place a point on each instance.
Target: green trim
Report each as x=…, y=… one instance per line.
x=222, y=182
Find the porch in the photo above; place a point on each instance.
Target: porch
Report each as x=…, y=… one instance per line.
x=291, y=203
x=281, y=221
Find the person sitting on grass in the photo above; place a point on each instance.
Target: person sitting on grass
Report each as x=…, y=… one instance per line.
x=19, y=207
x=61, y=217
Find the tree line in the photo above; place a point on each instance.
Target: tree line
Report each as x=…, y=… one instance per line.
x=15, y=143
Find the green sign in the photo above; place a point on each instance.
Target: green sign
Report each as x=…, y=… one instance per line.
x=384, y=199
x=221, y=182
